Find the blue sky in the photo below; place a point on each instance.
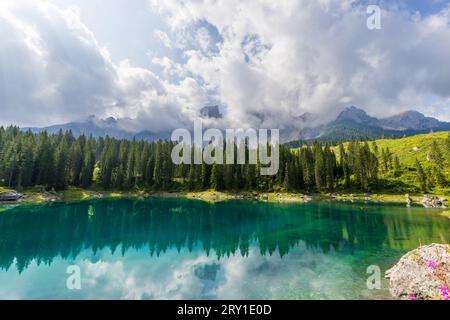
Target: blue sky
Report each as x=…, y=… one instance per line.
x=156, y=63
x=125, y=27
x=425, y=7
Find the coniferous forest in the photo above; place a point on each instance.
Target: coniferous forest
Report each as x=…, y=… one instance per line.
x=62, y=160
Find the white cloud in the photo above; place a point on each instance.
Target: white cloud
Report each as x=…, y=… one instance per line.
x=268, y=63
x=164, y=38
x=280, y=59
x=303, y=273
x=54, y=70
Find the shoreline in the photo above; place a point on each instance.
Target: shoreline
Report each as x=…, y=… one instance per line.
x=33, y=197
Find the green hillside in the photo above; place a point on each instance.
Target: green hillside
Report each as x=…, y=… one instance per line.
x=409, y=149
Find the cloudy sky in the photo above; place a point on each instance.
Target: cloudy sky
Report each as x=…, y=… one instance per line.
x=264, y=62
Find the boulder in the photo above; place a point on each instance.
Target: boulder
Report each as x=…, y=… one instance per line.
x=409, y=200
x=423, y=274
x=432, y=202
x=11, y=196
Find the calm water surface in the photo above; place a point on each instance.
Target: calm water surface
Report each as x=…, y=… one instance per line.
x=182, y=249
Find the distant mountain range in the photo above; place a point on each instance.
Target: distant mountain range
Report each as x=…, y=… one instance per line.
x=351, y=123
x=355, y=123
x=101, y=128
x=111, y=127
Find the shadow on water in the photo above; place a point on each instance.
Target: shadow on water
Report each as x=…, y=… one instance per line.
x=42, y=233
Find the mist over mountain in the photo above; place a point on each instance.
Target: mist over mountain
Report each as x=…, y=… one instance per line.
x=410, y=120
x=355, y=123
x=351, y=123
x=210, y=112
x=101, y=128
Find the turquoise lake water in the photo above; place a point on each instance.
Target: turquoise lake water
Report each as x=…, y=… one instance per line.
x=186, y=249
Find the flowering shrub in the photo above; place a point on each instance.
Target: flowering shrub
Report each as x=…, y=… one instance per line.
x=440, y=274
x=432, y=264
x=444, y=291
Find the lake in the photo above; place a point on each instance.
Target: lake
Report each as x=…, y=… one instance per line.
x=187, y=249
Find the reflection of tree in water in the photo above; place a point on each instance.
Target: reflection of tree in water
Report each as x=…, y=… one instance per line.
x=45, y=232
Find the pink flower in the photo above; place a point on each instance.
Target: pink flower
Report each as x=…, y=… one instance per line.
x=445, y=292
x=432, y=264
x=412, y=297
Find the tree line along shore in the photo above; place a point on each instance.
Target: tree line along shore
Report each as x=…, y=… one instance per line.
x=62, y=162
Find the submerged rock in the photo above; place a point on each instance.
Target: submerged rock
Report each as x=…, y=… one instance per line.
x=423, y=273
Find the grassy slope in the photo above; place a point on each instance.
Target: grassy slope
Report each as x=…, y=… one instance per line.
x=410, y=148
x=3, y=189
x=404, y=148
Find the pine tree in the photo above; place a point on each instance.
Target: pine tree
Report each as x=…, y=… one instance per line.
x=192, y=182
x=447, y=148
x=216, y=177
x=344, y=165
x=228, y=176
x=204, y=176
x=421, y=177
x=108, y=164
x=308, y=168
x=389, y=156
x=27, y=163
x=397, y=166
x=157, y=171
x=11, y=165
x=44, y=162
x=287, y=181
x=149, y=169
x=141, y=166
x=61, y=165
x=319, y=167
x=130, y=172
x=167, y=168
x=76, y=163
x=330, y=167
x=384, y=161
x=436, y=155
x=375, y=148
x=88, y=166
x=439, y=176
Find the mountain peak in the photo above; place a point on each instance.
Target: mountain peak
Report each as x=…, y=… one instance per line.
x=357, y=115
x=110, y=121
x=412, y=112
x=410, y=120
x=210, y=112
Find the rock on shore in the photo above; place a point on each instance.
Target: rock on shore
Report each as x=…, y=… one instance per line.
x=10, y=196
x=419, y=273
x=433, y=202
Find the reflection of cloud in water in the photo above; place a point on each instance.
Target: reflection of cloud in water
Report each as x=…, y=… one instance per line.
x=301, y=274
